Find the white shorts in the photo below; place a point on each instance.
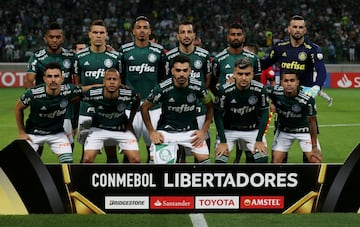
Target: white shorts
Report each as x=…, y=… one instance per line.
x=97, y=137
x=245, y=138
x=59, y=143
x=184, y=139
x=83, y=127
x=201, y=120
x=69, y=130
x=139, y=126
x=284, y=140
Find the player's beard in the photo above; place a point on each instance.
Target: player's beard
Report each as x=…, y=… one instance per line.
x=186, y=44
x=297, y=37
x=182, y=81
x=54, y=48
x=236, y=45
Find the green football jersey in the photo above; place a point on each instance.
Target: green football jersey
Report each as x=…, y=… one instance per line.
x=109, y=114
x=241, y=109
x=200, y=66
x=41, y=58
x=224, y=62
x=292, y=111
x=142, y=68
x=47, y=112
x=178, y=105
x=90, y=67
x=199, y=62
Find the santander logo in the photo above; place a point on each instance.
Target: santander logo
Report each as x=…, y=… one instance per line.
x=344, y=82
x=172, y=202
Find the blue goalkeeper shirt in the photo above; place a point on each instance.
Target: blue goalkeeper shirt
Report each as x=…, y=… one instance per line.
x=307, y=60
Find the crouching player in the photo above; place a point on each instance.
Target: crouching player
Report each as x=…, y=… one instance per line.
x=48, y=104
x=178, y=97
x=296, y=119
x=110, y=123
x=241, y=114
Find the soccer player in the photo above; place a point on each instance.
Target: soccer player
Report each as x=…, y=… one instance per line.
x=200, y=67
x=296, y=119
x=299, y=54
x=90, y=66
x=178, y=125
x=241, y=113
x=53, y=52
x=223, y=67
x=48, y=104
x=77, y=46
x=109, y=120
x=143, y=67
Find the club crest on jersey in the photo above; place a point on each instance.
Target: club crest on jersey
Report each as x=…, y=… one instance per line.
x=108, y=63
x=296, y=108
x=252, y=100
x=64, y=103
x=319, y=56
x=191, y=98
x=302, y=56
x=67, y=63
x=198, y=64
x=152, y=58
x=121, y=107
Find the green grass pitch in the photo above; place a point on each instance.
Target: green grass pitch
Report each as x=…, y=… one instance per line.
x=339, y=134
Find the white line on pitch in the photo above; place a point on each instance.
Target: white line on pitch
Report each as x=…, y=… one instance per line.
x=198, y=220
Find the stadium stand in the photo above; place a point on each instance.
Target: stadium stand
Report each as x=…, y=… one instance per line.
x=333, y=25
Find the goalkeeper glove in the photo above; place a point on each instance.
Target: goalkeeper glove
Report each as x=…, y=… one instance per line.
x=311, y=91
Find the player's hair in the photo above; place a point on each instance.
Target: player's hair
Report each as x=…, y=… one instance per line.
x=52, y=65
x=235, y=26
x=181, y=59
x=112, y=70
x=76, y=43
x=97, y=22
x=243, y=63
x=53, y=26
x=140, y=18
x=289, y=71
x=186, y=22
x=296, y=17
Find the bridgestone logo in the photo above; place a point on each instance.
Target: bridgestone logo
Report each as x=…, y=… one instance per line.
x=123, y=202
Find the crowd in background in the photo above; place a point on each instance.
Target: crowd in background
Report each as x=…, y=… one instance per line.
x=332, y=24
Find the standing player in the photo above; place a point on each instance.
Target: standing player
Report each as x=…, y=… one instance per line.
x=178, y=98
x=241, y=114
x=90, y=66
x=200, y=67
x=143, y=67
x=53, y=52
x=300, y=54
x=296, y=119
x=109, y=120
x=223, y=67
x=48, y=104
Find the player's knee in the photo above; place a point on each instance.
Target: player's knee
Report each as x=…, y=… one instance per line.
x=277, y=157
x=133, y=156
x=88, y=158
